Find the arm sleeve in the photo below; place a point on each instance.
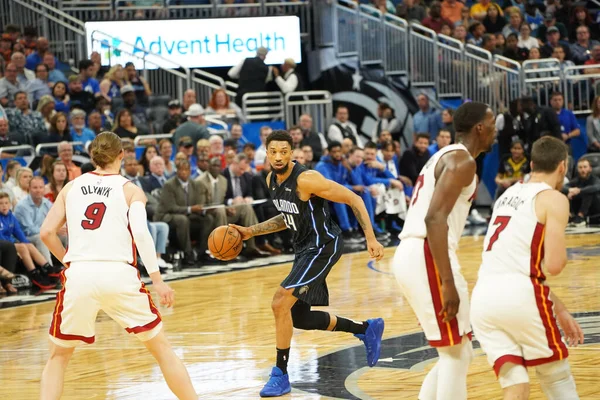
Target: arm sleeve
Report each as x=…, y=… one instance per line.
x=18, y=233
x=234, y=72
x=590, y=130
x=288, y=85
x=143, y=241
x=24, y=217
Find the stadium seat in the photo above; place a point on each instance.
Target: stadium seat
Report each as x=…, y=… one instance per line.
x=159, y=100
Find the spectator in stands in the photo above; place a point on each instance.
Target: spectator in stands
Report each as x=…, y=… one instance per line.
x=62, y=101
x=512, y=168
x=427, y=119
x=460, y=34
x=448, y=121
x=476, y=32
x=229, y=112
x=22, y=179
x=308, y=156
x=9, y=86
x=525, y=39
x=203, y=146
x=581, y=50
x=386, y=122
x=316, y=140
x=512, y=49
x=8, y=258
x=46, y=107
x=410, y=11
x=176, y=116
x=40, y=86
x=79, y=132
x=11, y=174
x=59, y=129
x=595, y=59
x=165, y=149
x=290, y=81
x=413, y=160
x=500, y=43
x=261, y=151
x=5, y=189
x=99, y=69
x=10, y=230
x=77, y=96
x=6, y=138
x=28, y=40
x=515, y=19
x=140, y=86
x=45, y=167
x=435, y=20
x=581, y=17
x=5, y=48
x=189, y=97
x=59, y=177
x=542, y=121
x=568, y=122
x=493, y=21
x=124, y=126
x=550, y=23
x=181, y=207
x=593, y=126
x=87, y=71
x=31, y=212
x=390, y=160
x=95, y=123
x=451, y=10
x=347, y=145
x=479, y=9
x=559, y=52
x=156, y=178
x=194, y=126
x=65, y=152
x=341, y=128
x=298, y=156
x=443, y=139
x=28, y=124
x=488, y=43
x=112, y=83
x=252, y=74
x=149, y=153
x=24, y=75
x=37, y=57
x=583, y=192
x=237, y=134
x=297, y=136
x=54, y=74
x=202, y=164
x=138, y=113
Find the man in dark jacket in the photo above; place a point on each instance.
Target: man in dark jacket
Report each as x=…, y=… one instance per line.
x=540, y=121
x=583, y=192
x=413, y=160
x=252, y=74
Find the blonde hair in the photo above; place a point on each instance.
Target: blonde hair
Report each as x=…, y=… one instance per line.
x=111, y=72
x=20, y=172
x=105, y=149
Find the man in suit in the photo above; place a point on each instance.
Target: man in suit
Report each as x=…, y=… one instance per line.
x=180, y=206
x=157, y=178
x=216, y=188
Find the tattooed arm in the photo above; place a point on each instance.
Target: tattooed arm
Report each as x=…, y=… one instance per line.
x=313, y=183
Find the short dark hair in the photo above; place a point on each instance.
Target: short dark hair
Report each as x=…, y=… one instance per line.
x=333, y=145
x=557, y=94
x=279, y=135
x=547, y=152
x=468, y=115
x=85, y=64
x=4, y=195
x=230, y=143
x=387, y=144
x=422, y=135
x=584, y=160
x=370, y=145
x=129, y=64
x=295, y=128
x=249, y=146
x=354, y=149
x=18, y=93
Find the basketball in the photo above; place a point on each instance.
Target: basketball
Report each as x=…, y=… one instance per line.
x=225, y=243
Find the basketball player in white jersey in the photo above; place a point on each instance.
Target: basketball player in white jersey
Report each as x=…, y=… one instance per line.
x=425, y=263
x=106, y=220
x=513, y=312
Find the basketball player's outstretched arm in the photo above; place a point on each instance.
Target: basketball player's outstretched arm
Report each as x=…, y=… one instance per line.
x=56, y=218
x=313, y=183
x=454, y=171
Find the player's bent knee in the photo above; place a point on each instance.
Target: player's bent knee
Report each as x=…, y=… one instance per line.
x=557, y=381
x=553, y=371
x=512, y=374
x=150, y=334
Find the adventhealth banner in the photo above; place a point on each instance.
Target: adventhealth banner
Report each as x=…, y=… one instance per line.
x=194, y=43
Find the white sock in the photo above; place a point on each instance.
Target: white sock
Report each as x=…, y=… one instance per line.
x=557, y=381
x=452, y=370
x=429, y=386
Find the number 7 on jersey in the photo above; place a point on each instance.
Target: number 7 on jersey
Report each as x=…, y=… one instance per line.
x=501, y=221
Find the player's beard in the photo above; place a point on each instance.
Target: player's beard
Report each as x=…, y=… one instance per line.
x=280, y=171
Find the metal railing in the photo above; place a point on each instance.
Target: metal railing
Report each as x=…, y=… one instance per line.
x=18, y=150
x=395, y=45
x=263, y=106
x=346, y=32
x=452, y=67
x=424, y=58
x=40, y=147
x=88, y=10
x=371, y=35
x=317, y=103
x=541, y=78
x=508, y=85
x=581, y=85
x=158, y=136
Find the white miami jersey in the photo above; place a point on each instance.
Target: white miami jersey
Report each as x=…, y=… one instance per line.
x=97, y=220
x=414, y=226
x=514, y=244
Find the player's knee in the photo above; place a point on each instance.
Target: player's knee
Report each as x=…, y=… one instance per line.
x=513, y=375
x=553, y=372
x=279, y=305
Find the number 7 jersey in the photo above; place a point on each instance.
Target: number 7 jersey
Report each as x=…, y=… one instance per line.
x=414, y=226
x=97, y=220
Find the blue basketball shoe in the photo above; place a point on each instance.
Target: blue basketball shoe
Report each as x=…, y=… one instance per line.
x=372, y=340
x=278, y=384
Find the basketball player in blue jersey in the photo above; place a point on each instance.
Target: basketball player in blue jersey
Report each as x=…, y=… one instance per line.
x=301, y=196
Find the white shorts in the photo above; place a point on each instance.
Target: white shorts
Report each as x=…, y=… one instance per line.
x=113, y=287
x=513, y=320
x=419, y=280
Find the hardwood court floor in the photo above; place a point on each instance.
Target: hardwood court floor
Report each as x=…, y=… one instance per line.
x=223, y=329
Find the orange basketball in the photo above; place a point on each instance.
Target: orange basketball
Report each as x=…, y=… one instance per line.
x=225, y=243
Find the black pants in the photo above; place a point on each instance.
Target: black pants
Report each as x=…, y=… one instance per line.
x=586, y=204
x=8, y=255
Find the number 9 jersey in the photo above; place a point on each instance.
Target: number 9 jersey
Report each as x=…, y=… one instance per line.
x=97, y=220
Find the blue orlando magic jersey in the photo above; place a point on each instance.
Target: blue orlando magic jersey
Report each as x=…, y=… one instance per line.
x=310, y=221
